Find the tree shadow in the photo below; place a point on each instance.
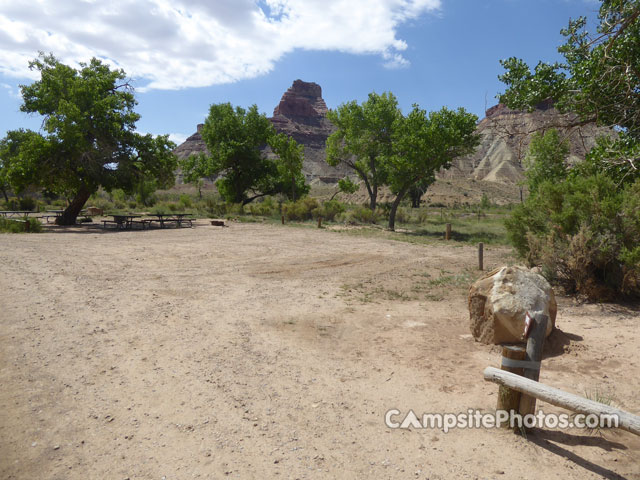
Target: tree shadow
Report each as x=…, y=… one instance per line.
x=99, y=229
x=549, y=441
x=486, y=237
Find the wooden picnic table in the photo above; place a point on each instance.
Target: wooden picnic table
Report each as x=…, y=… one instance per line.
x=123, y=221
x=16, y=213
x=178, y=218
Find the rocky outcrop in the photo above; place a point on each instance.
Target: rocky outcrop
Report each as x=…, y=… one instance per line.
x=505, y=137
x=302, y=114
x=499, y=301
x=193, y=145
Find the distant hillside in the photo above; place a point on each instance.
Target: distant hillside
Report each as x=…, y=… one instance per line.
x=506, y=134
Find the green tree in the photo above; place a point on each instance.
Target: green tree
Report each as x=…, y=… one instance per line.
x=290, y=157
x=363, y=139
x=546, y=159
x=582, y=225
x=345, y=185
x=236, y=139
x=599, y=81
x=423, y=144
x=89, y=137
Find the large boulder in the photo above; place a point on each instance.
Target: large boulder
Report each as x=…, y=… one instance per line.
x=499, y=301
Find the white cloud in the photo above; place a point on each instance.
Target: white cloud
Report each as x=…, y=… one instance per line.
x=193, y=43
x=178, y=138
x=13, y=92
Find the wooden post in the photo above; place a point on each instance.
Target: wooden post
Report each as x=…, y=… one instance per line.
x=447, y=234
x=27, y=225
x=480, y=256
x=535, y=343
x=509, y=399
x=560, y=398
x=282, y=219
x=319, y=222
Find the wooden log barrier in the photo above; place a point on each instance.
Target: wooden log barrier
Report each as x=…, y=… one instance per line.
x=508, y=399
x=560, y=398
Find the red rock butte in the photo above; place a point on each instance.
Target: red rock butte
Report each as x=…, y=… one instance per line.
x=302, y=99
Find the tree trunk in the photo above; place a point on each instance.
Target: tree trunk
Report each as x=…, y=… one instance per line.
x=373, y=197
x=71, y=213
x=4, y=193
x=394, y=208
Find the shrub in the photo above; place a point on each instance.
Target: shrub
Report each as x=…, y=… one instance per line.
x=329, y=210
x=27, y=203
x=266, y=208
x=18, y=226
x=185, y=201
x=363, y=214
x=584, y=233
x=302, y=209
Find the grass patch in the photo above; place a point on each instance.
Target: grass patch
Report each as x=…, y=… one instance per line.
x=18, y=226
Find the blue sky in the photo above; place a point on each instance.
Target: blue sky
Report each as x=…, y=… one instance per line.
x=187, y=54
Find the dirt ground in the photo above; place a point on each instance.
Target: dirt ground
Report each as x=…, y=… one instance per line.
x=262, y=351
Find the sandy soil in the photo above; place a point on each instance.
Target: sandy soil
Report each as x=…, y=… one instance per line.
x=260, y=351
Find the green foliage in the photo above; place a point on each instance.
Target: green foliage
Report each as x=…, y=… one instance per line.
x=362, y=140
x=303, y=209
x=423, y=144
x=546, y=159
x=145, y=191
x=27, y=203
x=89, y=137
x=8, y=225
x=267, y=208
x=485, y=203
x=346, y=185
x=583, y=232
x=290, y=181
x=235, y=138
x=185, y=201
x=362, y=214
x=329, y=210
x=598, y=80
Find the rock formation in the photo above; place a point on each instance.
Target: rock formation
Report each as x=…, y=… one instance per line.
x=505, y=137
x=301, y=114
x=499, y=301
x=193, y=145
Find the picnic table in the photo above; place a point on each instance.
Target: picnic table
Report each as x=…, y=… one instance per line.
x=15, y=213
x=178, y=218
x=123, y=221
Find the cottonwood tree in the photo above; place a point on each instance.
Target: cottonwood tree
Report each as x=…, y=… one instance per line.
x=599, y=80
x=290, y=157
x=362, y=140
x=88, y=137
x=235, y=139
x=423, y=144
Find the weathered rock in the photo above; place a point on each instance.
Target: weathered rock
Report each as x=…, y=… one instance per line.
x=499, y=301
x=302, y=114
x=505, y=135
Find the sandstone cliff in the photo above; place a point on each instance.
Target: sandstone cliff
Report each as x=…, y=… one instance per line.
x=505, y=137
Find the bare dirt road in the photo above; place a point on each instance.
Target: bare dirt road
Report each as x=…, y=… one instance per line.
x=260, y=351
